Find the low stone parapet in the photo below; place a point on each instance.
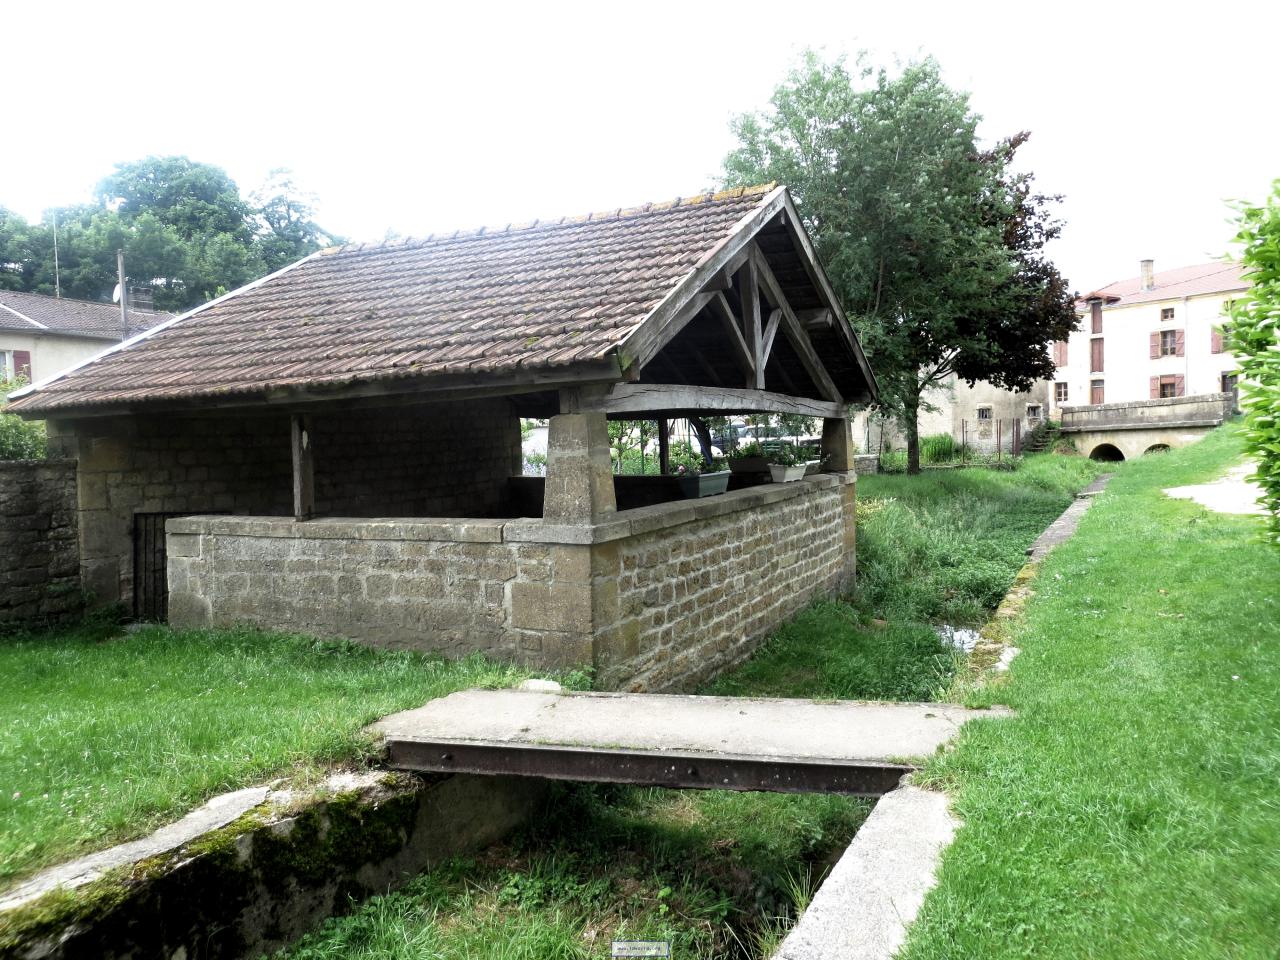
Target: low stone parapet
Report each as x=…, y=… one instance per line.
x=654, y=598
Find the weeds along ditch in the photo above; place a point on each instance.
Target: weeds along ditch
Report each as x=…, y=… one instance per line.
x=725, y=874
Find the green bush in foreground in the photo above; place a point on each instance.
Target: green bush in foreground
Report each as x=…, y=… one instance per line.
x=19, y=439
x=1253, y=335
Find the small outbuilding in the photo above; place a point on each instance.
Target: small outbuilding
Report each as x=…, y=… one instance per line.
x=335, y=449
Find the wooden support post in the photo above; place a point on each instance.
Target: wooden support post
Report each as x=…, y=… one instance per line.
x=664, y=446
x=749, y=293
x=304, y=472
x=837, y=445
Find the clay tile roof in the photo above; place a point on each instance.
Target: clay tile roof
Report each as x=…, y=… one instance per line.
x=37, y=313
x=548, y=294
x=1199, y=280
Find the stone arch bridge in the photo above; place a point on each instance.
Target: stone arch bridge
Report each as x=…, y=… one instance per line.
x=1122, y=431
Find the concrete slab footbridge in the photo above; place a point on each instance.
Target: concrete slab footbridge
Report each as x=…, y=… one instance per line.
x=711, y=743
x=1123, y=431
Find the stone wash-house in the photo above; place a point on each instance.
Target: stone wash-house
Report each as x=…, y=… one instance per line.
x=335, y=448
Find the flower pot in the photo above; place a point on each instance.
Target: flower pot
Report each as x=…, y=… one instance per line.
x=748, y=465
x=704, y=484
x=783, y=474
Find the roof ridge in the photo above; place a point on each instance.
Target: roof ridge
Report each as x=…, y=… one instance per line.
x=618, y=213
x=90, y=303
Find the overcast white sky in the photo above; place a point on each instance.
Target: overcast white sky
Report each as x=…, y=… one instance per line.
x=415, y=118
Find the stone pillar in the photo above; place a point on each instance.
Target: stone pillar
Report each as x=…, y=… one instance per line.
x=837, y=445
x=579, y=484
x=838, y=453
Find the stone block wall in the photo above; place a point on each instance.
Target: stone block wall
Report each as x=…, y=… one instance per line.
x=656, y=598
x=693, y=600
x=428, y=459
x=40, y=572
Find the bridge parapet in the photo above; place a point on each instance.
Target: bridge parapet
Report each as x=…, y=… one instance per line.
x=1205, y=410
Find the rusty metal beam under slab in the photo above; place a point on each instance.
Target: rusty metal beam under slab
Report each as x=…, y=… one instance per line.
x=648, y=768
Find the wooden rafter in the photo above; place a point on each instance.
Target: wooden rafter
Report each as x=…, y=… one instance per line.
x=770, y=331
x=733, y=334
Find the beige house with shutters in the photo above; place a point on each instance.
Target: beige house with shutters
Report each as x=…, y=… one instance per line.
x=1154, y=336
x=41, y=336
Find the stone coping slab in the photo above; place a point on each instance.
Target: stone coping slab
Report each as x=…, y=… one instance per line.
x=876, y=889
x=789, y=729
x=614, y=526
x=1102, y=426
x=218, y=812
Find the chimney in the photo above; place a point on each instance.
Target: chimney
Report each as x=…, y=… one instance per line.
x=1148, y=268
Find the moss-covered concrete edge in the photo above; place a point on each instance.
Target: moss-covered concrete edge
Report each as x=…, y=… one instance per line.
x=260, y=882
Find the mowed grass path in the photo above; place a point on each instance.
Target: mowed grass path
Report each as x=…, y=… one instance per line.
x=1132, y=809
x=105, y=734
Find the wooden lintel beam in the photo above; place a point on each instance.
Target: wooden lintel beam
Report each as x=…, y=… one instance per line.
x=657, y=398
x=795, y=332
x=737, y=343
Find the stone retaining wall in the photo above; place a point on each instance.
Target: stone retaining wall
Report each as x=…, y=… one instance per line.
x=655, y=598
x=40, y=572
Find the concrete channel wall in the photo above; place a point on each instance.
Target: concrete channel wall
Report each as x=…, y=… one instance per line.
x=655, y=598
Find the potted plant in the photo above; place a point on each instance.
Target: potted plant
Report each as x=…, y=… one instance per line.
x=694, y=483
x=750, y=458
x=786, y=464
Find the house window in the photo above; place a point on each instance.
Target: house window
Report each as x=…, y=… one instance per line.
x=1095, y=355
x=984, y=413
x=1033, y=411
x=1095, y=316
x=1166, y=314
x=1168, y=343
x=15, y=364
x=1096, y=394
x=1229, y=382
x=1060, y=353
x=1060, y=391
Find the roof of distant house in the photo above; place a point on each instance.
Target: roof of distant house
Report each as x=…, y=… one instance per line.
x=37, y=313
x=1196, y=281
x=520, y=303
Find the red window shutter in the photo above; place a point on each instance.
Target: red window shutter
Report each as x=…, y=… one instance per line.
x=1060, y=353
x=1178, y=380
x=1155, y=388
x=1180, y=339
x=1215, y=341
x=1155, y=345
x=22, y=364
x=1095, y=358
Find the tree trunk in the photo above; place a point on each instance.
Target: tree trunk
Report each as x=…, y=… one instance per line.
x=911, y=418
x=704, y=438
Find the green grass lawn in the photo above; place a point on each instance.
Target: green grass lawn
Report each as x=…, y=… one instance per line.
x=723, y=874
x=1133, y=807
x=104, y=734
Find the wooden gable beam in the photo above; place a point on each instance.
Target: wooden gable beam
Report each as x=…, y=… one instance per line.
x=733, y=333
x=708, y=276
x=818, y=277
x=770, y=331
x=795, y=331
x=749, y=295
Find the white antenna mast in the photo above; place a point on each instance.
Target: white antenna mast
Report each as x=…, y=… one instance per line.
x=57, y=278
x=122, y=292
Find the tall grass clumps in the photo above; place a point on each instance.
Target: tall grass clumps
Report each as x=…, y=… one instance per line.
x=105, y=734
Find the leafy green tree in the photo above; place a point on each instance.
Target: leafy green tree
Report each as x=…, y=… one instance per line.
x=1253, y=336
x=186, y=231
x=934, y=246
x=286, y=216
x=20, y=439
